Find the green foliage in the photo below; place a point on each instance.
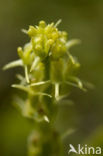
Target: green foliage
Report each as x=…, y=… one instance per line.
x=49, y=68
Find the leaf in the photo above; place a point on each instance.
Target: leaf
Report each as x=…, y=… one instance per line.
x=72, y=43
x=73, y=60
x=58, y=22
x=13, y=64
x=24, y=31
x=40, y=83
x=44, y=94
x=76, y=82
x=27, y=89
x=89, y=85
x=21, y=87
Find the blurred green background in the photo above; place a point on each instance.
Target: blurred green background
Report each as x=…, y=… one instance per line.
x=82, y=19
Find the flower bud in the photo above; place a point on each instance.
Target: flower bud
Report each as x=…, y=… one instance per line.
x=20, y=52
x=42, y=24
x=32, y=31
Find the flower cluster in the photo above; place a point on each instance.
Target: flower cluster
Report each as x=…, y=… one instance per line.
x=46, y=40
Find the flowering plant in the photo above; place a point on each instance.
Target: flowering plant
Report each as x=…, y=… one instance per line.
x=49, y=70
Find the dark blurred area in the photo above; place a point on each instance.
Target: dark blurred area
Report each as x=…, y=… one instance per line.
x=82, y=19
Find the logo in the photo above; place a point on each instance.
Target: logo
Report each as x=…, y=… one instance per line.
x=84, y=150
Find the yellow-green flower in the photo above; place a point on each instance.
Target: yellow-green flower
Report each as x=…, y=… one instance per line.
x=47, y=40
